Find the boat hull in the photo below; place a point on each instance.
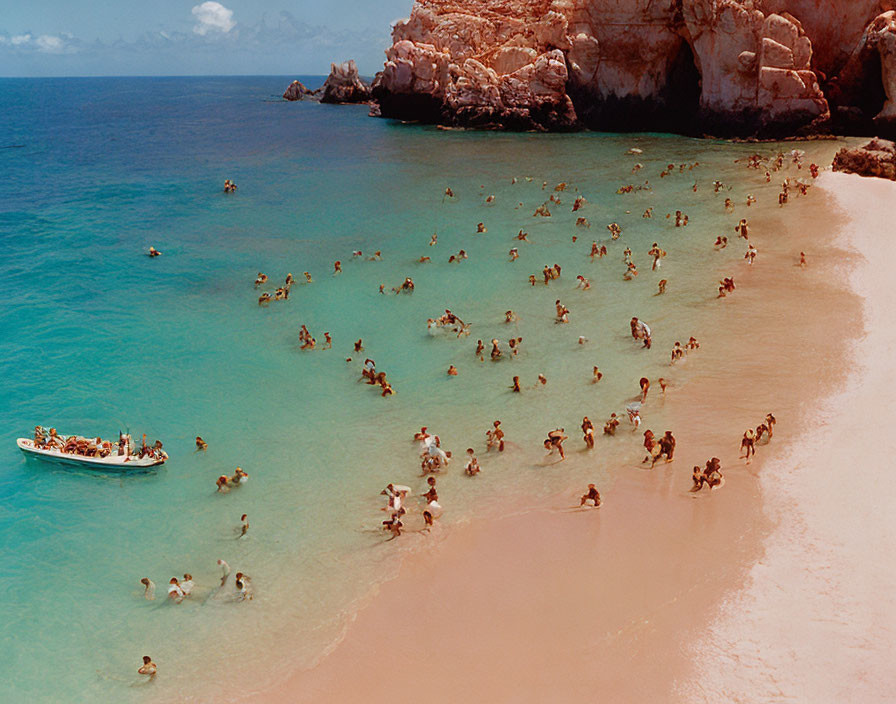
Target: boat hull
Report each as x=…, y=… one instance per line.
x=111, y=463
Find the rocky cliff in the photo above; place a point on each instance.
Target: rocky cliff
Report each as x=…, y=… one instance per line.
x=877, y=158
x=343, y=85
x=768, y=67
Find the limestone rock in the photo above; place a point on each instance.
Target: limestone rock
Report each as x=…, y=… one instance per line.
x=343, y=85
x=736, y=66
x=877, y=158
x=296, y=91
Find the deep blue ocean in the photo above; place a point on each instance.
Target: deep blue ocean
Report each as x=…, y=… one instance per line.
x=96, y=337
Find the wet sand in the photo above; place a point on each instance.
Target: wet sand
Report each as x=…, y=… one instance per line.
x=555, y=602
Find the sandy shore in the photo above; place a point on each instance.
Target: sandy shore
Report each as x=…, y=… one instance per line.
x=634, y=600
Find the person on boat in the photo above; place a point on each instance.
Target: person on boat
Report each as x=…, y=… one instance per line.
x=187, y=585
x=592, y=495
x=39, y=439
x=200, y=443
x=148, y=668
x=175, y=593
x=153, y=252
x=149, y=589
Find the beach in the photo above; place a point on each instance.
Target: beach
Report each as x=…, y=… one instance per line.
x=746, y=594
x=104, y=338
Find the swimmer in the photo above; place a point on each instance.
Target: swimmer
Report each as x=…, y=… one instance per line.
x=431, y=493
x=452, y=370
x=175, y=593
x=148, y=668
x=721, y=242
x=479, y=348
x=593, y=495
x=532, y=279
x=648, y=213
x=201, y=444
x=225, y=571
x=244, y=586
x=261, y=279
x=480, y=228
x=514, y=254
x=582, y=339
x=588, y=432
x=433, y=240
x=223, y=484
x=427, y=520
x=677, y=353
x=522, y=236
x=337, y=267
x=149, y=589
x=187, y=585
x=308, y=278
x=153, y=252
x=359, y=347
x=693, y=344
x=583, y=283
x=596, y=375
x=496, y=353
x=448, y=194
x=264, y=299
x=542, y=379
x=555, y=442
x=661, y=287
x=645, y=387
x=328, y=341
x=516, y=385
x=472, y=467
x=611, y=425
x=244, y=528
x=495, y=437
x=510, y=317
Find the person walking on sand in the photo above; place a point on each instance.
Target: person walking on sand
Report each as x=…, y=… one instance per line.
x=748, y=444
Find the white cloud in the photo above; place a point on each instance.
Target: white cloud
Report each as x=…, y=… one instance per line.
x=213, y=17
x=50, y=44
x=20, y=39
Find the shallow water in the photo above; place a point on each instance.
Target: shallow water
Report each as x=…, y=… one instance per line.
x=97, y=338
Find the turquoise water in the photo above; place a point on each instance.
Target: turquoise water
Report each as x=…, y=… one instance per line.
x=97, y=337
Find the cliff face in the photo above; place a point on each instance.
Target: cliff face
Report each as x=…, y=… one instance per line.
x=726, y=66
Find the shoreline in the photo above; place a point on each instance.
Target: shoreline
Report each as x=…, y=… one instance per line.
x=464, y=617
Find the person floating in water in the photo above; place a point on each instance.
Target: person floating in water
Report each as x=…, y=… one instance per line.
x=153, y=252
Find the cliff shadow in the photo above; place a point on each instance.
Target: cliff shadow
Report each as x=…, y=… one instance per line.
x=676, y=108
x=858, y=95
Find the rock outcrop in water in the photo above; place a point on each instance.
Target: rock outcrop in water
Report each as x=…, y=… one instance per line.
x=877, y=158
x=768, y=67
x=296, y=91
x=344, y=85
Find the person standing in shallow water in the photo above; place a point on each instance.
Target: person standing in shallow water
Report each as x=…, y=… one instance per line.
x=148, y=668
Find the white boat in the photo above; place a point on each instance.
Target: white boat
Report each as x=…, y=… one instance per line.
x=111, y=462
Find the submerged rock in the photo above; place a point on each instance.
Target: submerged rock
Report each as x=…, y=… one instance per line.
x=732, y=67
x=296, y=91
x=343, y=85
x=877, y=158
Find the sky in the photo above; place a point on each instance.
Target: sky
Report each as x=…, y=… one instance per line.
x=193, y=37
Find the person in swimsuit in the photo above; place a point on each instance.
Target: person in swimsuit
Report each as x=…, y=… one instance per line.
x=593, y=495
x=148, y=668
